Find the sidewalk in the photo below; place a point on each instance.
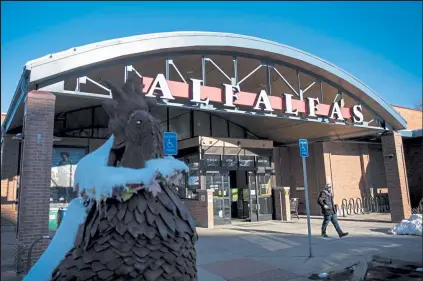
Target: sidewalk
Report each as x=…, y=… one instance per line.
x=8, y=248
x=271, y=251
x=278, y=251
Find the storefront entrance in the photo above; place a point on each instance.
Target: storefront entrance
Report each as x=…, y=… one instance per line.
x=219, y=182
x=240, y=195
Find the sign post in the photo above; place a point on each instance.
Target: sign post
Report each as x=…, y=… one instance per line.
x=304, y=154
x=170, y=143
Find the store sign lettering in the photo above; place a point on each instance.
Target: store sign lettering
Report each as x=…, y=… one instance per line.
x=199, y=94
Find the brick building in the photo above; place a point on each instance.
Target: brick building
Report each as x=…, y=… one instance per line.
x=239, y=106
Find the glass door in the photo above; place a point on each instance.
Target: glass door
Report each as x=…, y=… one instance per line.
x=264, y=196
x=252, y=196
x=219, y=182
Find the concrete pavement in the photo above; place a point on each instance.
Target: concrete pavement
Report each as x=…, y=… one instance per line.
x=272, y=250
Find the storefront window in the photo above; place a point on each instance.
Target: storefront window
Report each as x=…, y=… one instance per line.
x=64, y=163
x=211, y=161
x=159, y=113
x=191, y=179
x=230, y=161
x=201, y=124
x=246, y=161
x=219, y=127
x=181, y=125
x=235, y=131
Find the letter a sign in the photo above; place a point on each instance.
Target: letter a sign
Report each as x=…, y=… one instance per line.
x=303, y=147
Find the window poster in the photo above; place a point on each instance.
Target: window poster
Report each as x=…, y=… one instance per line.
x=64, y=162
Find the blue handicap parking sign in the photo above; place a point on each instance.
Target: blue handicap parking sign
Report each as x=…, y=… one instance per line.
x=303, y=147
x=170, y=143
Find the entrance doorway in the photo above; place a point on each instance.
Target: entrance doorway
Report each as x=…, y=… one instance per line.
x=251, y=195
x=219, y=182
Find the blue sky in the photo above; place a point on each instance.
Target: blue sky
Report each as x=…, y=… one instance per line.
x=378, y=42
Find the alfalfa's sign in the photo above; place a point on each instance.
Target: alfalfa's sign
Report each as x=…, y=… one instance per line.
x=199, y=94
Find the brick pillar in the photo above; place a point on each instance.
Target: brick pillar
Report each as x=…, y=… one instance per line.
x=396, y=176
x=206, y=197
x=9, y=178
x=35, y=175
x=201, y=209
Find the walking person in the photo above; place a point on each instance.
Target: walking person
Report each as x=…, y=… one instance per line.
x=329, y=211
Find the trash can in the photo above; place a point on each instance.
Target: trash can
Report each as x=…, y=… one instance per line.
x=60, y=214
x=52, y=219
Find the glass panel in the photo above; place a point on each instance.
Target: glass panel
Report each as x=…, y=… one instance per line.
x=201, y=124
x=175, y=112
x=263, y=161
x=227, y=207
x=264, y=184
x=181, y=125
x=265, y=193
x=212, y=160
x=230, y=161
x=246, y=161
x=193, y=162
x=219, y=127
x=265, y=205
x=221, y=196
x=79, y=119
x=191, y=179
x=235, y=131
x=252, y=195
x=163, y=127
x=101, y=119
x=159, y=113
x=234, y=194
x=64, y=162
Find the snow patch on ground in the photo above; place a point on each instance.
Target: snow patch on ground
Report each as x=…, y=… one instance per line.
x=62, y=242
x=412, y=226
x=97, y=180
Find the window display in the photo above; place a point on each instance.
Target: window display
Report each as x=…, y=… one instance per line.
x=64, y=162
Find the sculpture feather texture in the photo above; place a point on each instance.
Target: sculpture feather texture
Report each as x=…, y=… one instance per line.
x=138, y=233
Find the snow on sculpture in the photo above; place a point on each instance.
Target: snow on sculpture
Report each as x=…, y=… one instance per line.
x=135, y=226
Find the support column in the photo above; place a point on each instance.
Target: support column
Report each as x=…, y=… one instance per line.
x=9, y=178
x=34, y=198
x=281, y=190
x=364, y=160
x=396, y=176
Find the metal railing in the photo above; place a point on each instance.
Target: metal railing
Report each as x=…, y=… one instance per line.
x=365, y=205
x=418, y=209
x=29, y=257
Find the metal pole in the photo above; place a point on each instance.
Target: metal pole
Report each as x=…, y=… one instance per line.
x=307, y=206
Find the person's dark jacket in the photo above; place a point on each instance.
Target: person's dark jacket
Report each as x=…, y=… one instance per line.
x=326, y=199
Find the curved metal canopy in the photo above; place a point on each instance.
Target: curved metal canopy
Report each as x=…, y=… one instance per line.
x=92, y=55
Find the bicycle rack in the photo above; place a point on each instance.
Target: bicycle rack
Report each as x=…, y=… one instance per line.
x=29, y=257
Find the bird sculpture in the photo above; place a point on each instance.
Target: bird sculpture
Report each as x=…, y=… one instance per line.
x=136, y=231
